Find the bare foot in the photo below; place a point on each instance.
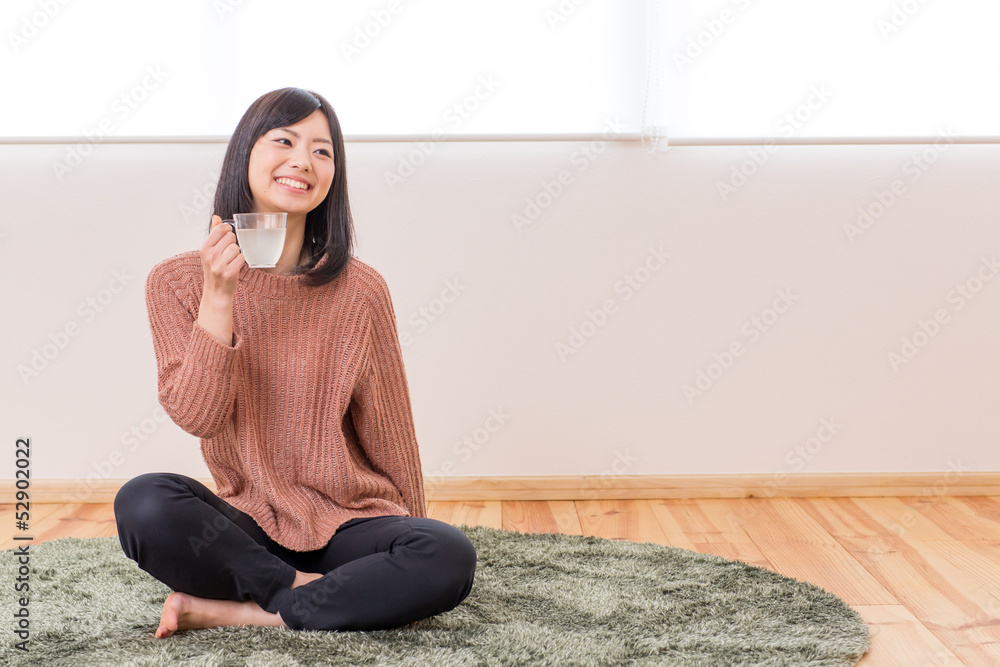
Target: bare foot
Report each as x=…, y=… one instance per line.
x=184, y=612
x=176, y=614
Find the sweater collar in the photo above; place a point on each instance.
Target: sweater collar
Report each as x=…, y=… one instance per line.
x=257, y=281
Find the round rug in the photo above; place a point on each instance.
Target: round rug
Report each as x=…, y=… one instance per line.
x=538, y=599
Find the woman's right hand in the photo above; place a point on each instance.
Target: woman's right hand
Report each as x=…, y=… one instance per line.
x=221, y=259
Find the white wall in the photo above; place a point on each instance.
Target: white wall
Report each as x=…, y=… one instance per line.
x=494, y=348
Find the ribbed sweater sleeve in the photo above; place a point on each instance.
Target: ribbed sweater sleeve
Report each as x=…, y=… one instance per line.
x=381, y=407
x=195, y=372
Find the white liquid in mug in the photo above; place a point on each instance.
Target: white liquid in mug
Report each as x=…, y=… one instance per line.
x=261, y=247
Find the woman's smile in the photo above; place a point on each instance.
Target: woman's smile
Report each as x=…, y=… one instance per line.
x=293, y=184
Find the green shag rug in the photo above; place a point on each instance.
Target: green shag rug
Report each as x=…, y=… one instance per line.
x=538, y=599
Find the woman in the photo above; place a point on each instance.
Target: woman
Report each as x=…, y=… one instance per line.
x=293, y=379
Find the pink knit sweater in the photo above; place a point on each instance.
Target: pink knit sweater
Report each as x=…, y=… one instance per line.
x=305, y=421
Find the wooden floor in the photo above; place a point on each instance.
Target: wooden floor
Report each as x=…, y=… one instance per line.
x=924, y=572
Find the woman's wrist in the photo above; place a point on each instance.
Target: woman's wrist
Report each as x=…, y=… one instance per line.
x=215, y=315
x=216, y=299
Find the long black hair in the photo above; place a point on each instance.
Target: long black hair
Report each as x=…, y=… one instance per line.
x=329, y=227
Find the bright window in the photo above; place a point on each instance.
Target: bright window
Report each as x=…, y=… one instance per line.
x=724, y=69
x=192, y=67
x=851, y=68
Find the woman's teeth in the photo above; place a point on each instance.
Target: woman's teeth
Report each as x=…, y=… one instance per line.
x=294, y=184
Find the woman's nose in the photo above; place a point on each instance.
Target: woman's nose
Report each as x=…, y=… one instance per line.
x=301, y=159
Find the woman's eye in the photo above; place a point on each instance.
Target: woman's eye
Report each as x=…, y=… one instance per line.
x=322, y=150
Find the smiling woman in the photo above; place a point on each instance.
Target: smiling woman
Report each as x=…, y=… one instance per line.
x=294, y=381
x=292, y=134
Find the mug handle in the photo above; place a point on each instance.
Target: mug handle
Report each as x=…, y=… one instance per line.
x=232, y=224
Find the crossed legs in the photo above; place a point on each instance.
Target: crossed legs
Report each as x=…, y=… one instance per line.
x=185, y=612
x=375, y=573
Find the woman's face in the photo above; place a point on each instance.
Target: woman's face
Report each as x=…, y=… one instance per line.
x=303, y=153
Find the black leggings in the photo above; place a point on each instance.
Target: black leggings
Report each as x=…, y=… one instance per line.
x=379, y=572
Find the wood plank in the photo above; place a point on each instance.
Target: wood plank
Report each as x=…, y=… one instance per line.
x=52, y=526
x=630, y=520
x=914, y=518
x=779, y=520
x=706, y=526
x=471, y=513
x=81, y=522
x=902, y=569
x=988, y=548
x=841, y=517
x=7, y=519
x=974, y=638
x=898, y=638
x=972, y=518
x=797, y=546
x=745, y=552
x=949, y=600
x=941, y=513
x=986, y=510
x=545, y=516
x=906, y=517
x=44, y=517
x=833, y=569
x=974, y=566
x=698, y=520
